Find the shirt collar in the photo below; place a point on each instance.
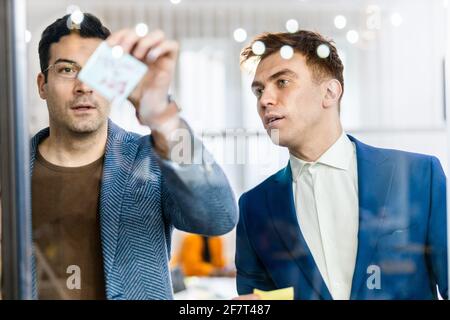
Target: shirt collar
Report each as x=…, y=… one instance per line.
x=297, y=166
x=338, y=156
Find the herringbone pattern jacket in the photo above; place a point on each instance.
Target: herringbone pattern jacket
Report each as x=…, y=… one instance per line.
x=142, y=198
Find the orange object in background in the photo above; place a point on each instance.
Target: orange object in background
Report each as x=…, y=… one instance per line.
x=195, y=260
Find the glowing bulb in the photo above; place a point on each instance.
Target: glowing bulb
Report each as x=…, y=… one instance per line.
x=352, y=36
x=27, y=36
x=117, y=52
x=240, y=35
x=77, y=17
x=292, y=25
x=141, y=29
x=396, y=19
x=286, y=52
x=323, y=51
x=175, y=1
x=258, y=48
x=72, y=8
x=340, y=22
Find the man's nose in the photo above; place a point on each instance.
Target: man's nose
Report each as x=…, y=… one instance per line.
x=81, y=87
x=268, y=99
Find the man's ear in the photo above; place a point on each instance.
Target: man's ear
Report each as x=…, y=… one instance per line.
x=332, y=92
x=42, y=86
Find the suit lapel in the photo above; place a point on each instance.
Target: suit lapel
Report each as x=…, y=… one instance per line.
x=119, y=158
x=44, y=133
x=282, y=211
x=374, y=182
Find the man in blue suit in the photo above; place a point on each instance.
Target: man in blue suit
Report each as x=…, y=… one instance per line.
x=105, y=201
x=343, y=220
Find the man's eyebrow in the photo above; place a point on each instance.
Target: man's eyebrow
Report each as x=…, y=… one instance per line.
x=284, y=72
x=257, y=84
x=65, y=60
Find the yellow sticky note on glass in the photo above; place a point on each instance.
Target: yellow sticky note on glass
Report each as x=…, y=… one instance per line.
x=280, y=294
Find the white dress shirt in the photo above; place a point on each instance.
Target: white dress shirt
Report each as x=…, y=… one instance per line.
x=326, y=202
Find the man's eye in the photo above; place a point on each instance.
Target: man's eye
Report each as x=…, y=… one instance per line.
x=67, y=70
x=258, y=92
x=282, y=83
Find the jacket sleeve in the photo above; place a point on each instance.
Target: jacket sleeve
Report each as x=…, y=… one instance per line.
x=251, y=273
x=196, y=197
x=437, y=229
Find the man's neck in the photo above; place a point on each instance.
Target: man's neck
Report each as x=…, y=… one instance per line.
x=318, y=142
x=69, y=149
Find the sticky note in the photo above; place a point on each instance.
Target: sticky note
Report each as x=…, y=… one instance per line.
x=280, y=294
x=113, y=76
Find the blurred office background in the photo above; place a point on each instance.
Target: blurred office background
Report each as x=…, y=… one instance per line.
x=393, y=52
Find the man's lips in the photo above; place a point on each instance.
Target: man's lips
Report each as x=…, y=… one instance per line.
x=272, y=119
x=83, y=107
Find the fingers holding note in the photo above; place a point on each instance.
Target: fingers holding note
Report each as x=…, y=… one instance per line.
x=159, y=54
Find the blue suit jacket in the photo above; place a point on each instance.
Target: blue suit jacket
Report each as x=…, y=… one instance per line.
x=141, y=198
x=402, y=238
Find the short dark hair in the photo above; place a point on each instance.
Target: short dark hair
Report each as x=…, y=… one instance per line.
x=90, y=27
x=306, y=43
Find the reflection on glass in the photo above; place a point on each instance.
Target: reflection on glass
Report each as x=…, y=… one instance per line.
x=396, y=218
x=104, y=200
x=343, y=220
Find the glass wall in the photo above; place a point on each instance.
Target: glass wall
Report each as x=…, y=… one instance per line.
x=394, y=55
